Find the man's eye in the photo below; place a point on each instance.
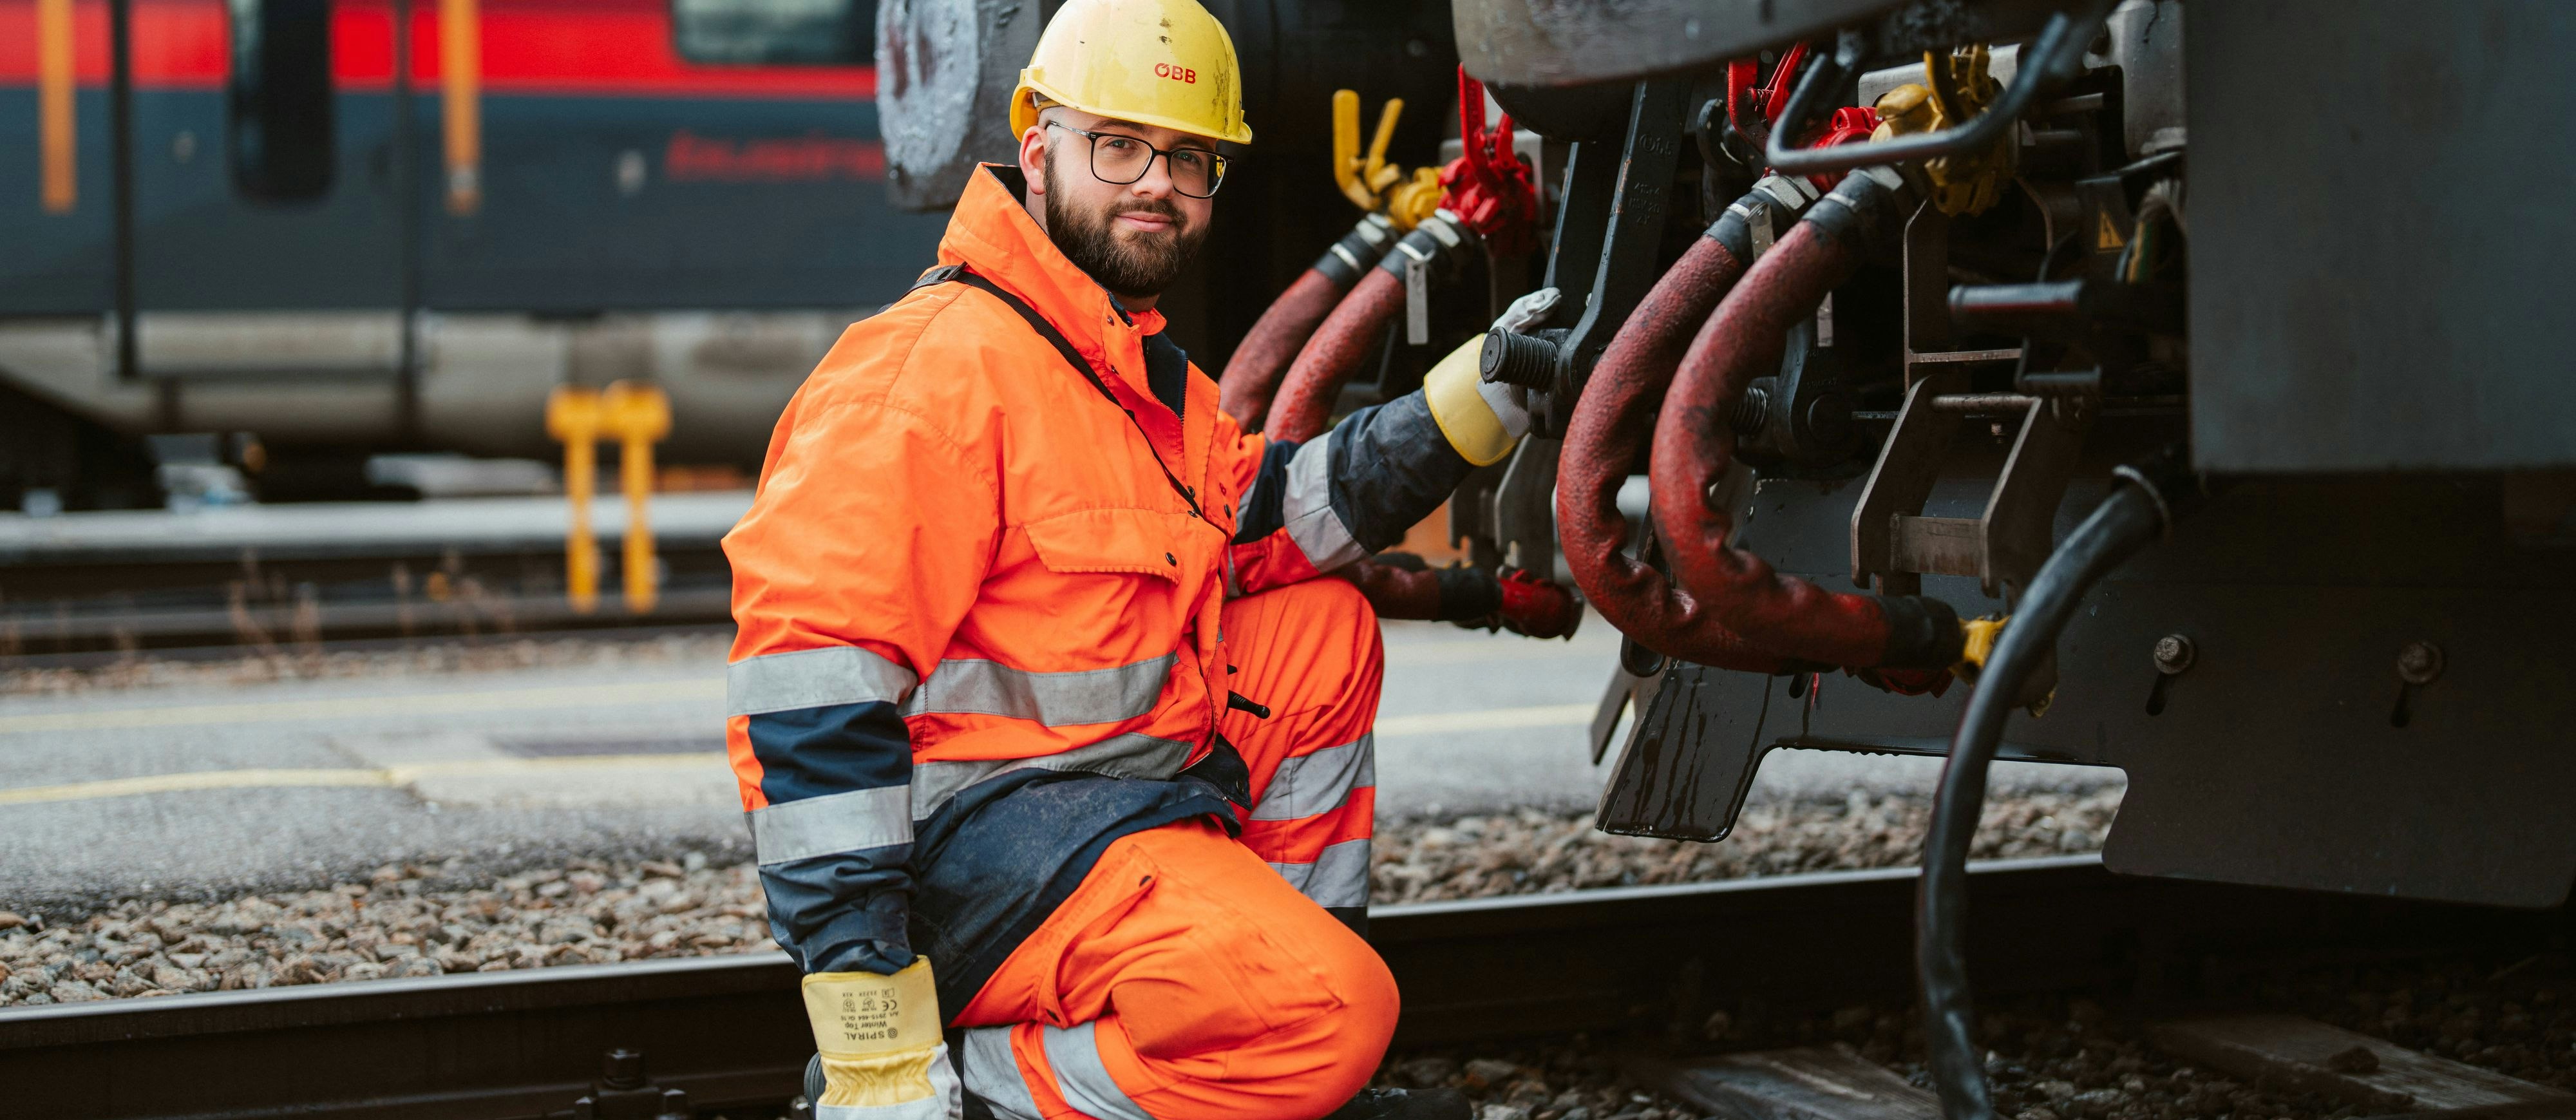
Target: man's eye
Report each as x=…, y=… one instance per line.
x=1118, y=143
x=1194, y=160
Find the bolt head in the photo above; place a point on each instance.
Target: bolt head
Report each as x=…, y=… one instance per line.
x=2419, y=663
x=2174, y=653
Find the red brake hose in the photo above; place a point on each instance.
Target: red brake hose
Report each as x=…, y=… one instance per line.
x=1694, y=444
x=1251, y=376
x=1347, y=338
x=1602, y=440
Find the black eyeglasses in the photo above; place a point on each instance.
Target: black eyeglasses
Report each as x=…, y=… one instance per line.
x=1196, y=172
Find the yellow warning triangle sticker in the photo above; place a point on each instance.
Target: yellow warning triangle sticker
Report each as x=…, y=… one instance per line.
x=2109, y=235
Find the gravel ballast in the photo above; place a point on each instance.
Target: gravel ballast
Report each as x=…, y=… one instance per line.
x=415, y=920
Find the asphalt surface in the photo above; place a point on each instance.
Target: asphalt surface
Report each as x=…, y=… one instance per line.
x=199, y=792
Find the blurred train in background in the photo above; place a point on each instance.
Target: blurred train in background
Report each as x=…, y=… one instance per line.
x=308, y=232
x=249, y=218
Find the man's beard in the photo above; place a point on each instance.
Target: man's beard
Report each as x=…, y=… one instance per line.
x=1137, y=265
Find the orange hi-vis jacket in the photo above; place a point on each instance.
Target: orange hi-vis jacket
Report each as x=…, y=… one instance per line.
x=972, y=588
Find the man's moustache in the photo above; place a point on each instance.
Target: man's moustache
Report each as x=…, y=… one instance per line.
x=1163, y=210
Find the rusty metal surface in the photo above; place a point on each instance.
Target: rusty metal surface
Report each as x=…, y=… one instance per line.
x=1552, y=43
x=2350, y=309
x=1536, y=42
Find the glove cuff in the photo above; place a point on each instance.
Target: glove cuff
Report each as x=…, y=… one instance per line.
x=1482, y=420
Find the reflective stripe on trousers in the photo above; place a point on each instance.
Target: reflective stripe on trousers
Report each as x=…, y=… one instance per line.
x=1073, y=1053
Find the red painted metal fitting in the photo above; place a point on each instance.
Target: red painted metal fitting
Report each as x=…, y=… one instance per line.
x=1489, y=187
x=1602, y=442
x=1851, y=124
x=1538, y=608
x=1694, y=444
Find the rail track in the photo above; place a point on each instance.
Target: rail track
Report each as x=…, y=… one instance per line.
x=1645, y=961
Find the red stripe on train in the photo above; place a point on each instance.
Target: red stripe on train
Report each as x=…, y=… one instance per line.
x=571, y=47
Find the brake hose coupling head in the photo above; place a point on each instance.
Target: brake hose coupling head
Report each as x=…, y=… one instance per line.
x=1868, y=208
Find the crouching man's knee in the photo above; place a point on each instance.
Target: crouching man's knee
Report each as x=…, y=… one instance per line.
x=1331, y=1057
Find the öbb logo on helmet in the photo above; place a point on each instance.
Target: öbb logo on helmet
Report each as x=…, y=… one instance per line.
x=1176, y=73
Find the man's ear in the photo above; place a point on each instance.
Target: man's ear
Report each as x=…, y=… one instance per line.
x=1033, y=145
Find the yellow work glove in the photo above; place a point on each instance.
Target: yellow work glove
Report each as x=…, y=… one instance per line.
x=883, y=1058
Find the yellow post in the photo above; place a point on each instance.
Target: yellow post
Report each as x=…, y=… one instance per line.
x=55, y=90
x=572, y=417
x=637, y=413
x=460, y=72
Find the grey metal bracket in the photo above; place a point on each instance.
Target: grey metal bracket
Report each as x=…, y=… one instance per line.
x=1894, y=546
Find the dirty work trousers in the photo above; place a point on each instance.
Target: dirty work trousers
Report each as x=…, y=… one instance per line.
x=1193, y=975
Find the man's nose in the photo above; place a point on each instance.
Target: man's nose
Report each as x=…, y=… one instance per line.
x=1157, y=180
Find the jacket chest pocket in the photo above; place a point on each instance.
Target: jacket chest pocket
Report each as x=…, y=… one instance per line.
x=1138, y=541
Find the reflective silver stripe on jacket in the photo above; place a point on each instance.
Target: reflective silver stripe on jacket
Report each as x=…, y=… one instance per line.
x=1081, y=1077
x=812, y=678
x=993, y=1075
x=1307, y=508
x=1313, y=783
x=1338, y=877
x=1052, y=699
x=1131, y=755
x=832, y=824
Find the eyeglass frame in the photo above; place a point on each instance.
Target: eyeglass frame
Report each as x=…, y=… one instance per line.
x=1217, y=160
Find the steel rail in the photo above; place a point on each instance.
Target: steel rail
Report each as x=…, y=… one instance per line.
x=726, y=1029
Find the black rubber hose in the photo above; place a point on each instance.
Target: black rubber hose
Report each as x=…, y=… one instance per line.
x=2132, y=517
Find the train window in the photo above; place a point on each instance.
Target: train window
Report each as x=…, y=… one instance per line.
x=281, y=118
x=776, y=32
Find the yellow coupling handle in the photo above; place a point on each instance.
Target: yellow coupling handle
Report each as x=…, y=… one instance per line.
x=1363, y=179
x=1977, y=644
x=1978, y=637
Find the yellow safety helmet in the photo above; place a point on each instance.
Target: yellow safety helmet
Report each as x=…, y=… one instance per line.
x=1157, y=62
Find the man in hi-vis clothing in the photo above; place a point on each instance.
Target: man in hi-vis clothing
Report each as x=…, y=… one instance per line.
x=1036, y=692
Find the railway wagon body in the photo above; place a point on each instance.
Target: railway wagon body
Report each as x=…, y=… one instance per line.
x=371, y=225
x=1863, y=309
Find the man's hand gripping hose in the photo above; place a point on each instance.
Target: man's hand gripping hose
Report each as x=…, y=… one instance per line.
x=878, y=1044
x=2139, y=510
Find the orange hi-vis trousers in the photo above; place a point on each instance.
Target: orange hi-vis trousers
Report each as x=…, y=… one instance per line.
x=1193, y=974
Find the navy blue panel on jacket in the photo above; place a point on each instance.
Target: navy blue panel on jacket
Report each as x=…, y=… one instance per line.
x=1391, y=467
x=818, y=752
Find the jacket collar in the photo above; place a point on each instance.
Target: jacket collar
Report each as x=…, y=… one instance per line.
x=992, y=233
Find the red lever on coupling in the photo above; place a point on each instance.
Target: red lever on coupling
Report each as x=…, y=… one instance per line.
x=1488, y=187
